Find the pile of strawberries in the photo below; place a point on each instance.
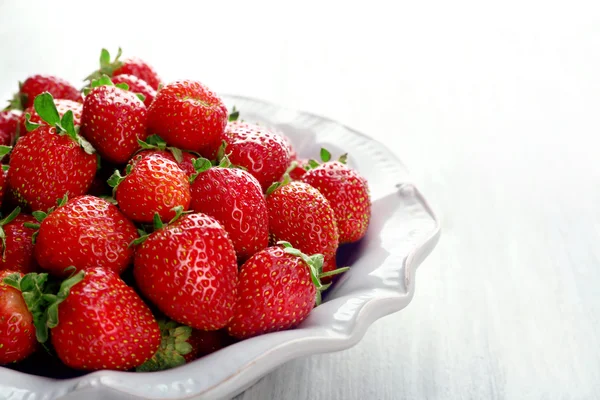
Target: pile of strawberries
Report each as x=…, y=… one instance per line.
x=145, y=225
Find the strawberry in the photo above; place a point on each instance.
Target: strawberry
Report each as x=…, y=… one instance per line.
x=297, y=169
x=129, y=66
x=187, y=115
x=262, y=153
x=84, y=232
x=103, y=324
x=188, y=270
x=17, y=332
x=301, y=215
x=4, y=150
x=113, y=120
x=235, y=199
x=62, y=106
x=9, y=122
x=347, y=192
x=136, y=85
x=153, y=183
x=16, y=243
x=277, y=289
x=37, y=84
x=50, y=161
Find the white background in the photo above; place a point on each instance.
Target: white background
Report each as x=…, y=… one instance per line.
x=494, y=106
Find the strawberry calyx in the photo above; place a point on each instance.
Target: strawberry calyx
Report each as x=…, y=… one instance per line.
x=276, y=185
x=173, y=347
x=315, y=266
x=155, y=142
x=104, y=80
x=4, y=150
x=46, y=109
x=6, y=220
x=234, y=115
x=43, y=297
x=107, y=67
x=18, y=101
x=325, y=157
x=40, y=216
x=116, y=178
x=158, y=224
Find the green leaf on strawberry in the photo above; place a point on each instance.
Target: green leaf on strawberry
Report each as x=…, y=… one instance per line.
x=173, y=347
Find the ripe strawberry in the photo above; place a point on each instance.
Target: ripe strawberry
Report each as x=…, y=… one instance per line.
x=102, y=324
x=17, y=332
x=50, y=161
x=37, y=84
x=301, y=215
x=9, y=122
x=188, y=270
x=113, y=120
x=136, y=85
x=153, y=183
x=235, y=199
x=348, y=195
x=187, y=115
x=16, y=243
x=264, y=154
x=278, y=287
x=85, y=232
x=297, y=169
x=62, y=106
x=129, y=66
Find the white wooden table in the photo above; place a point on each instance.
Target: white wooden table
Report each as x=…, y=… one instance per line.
x=494, y=108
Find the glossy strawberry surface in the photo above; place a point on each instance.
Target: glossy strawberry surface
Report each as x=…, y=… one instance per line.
x=44, y=166
x=189, y=271
x=113, y=120
x=86, y=232
x=235, y=199
x=104, y=324
x=187, y=115
x=156, y=184
x=275, y=292
x=17, y=332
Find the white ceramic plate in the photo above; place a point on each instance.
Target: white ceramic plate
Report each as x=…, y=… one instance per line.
x=402, y=233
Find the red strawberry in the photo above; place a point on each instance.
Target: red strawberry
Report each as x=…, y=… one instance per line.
x=187, y=115
x=348, y=195
x=102, y=323
x=50, y=161
x=86, y=232
x=17, y=244
x=136, y=85
x=61, y=105
x=17, y=332
x=113, y=120
x=297, y=169
x=277, y=289
x=37, y=84
x=235, y=199
x=154, y=183
x=301, y=215
x=3, y=183
x=188, y=270
x=129, y=66
x=9, y=121
x=263, y=153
